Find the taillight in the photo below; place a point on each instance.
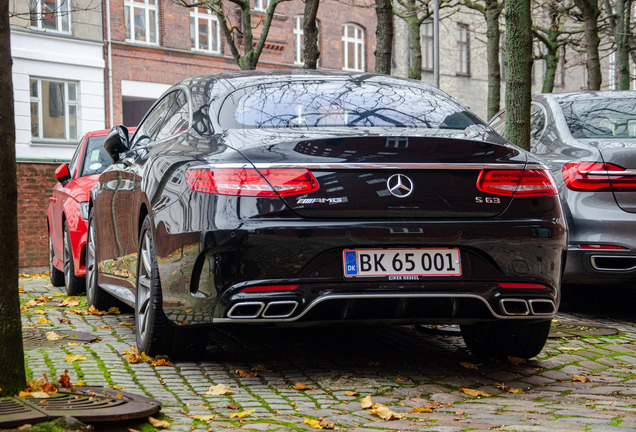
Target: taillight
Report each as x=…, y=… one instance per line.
x=602, y=246
x=513, y=285
x=527, y=183
x=597, y=176
x=251, y=182
x=269, y=288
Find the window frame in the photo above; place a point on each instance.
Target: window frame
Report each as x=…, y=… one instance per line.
x=428, y=42
x=59, y=12
x=68, y=103
x=463, y=49
x=129, y=23
x=212, y=23
x=261, y=5
x=299, y=40
x=359, y=56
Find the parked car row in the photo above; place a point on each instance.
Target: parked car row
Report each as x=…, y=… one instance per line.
x=307, y=198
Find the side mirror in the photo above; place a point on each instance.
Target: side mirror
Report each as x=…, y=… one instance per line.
x=62, y=174
x=117, y=142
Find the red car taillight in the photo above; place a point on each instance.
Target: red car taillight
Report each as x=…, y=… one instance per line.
x=527, y=183
x=251, y=182
x=597, y=176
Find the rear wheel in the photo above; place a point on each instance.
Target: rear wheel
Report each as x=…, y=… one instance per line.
x=499, y=339
x=95, y=296
x=155, y=333
x=74, y=285
x=57, y=276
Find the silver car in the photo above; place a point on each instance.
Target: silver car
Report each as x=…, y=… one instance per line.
x=588, y=139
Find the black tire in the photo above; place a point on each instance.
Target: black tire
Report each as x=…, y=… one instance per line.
x=156, y=335
x=95, y=296
x=57, y=276
x=500, y=339
x=74, y=285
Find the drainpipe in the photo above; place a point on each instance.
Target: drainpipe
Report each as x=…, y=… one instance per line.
x=110, y=66
x=436, y=43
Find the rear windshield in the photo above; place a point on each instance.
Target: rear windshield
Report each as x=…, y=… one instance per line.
x=343, y=104
x=96, y=158
x=594, y=118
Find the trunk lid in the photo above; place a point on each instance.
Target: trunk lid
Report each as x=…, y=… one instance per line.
x=622, y=154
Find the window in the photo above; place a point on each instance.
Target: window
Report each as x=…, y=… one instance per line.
x=54, y=109
x=611, y=75
x=537, y=127
x=169, y=117
x=261, y=5
x=142, y=21
x=463, y=49
x=204, y=30
x=50, y=15
x=427, y=46
x=353, y=42
x=559, y=73
x=633, y=77
x=299, y=41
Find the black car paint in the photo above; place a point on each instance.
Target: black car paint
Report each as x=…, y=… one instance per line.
x=209, y=247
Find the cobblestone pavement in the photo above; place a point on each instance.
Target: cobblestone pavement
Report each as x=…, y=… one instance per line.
x=578, y=383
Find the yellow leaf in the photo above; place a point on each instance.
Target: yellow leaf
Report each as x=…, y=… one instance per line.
x=43, y=320
x=422, y=410
x=75, y=343
x=468, y=365
x=508, y=389
x=39, y=394
x=52, y=336
x=472, y=392
x=57, y=293
x=245, y=374
x=242, y=414
x=301, y=386
x=39, y=312
x=113, y=310
x=516, y=360
x=219, y=390
x=105, y=326
x=126, y=324
x=72, y=358
x=158, y=423
x=117, y=386
x=23, y=308
x=162, y=362
x=366, y=402
x=351, y=393
x=581, y=378
x=205, y=418
x=25, y=394
x=384, y=412
x=313, y=423
x=80, y=383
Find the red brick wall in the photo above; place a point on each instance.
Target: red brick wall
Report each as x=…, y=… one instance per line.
x=35, y=182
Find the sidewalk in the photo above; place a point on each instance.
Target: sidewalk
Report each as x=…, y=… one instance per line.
x=296, y=379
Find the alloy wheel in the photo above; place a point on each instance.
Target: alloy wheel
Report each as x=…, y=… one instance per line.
x=144, y=287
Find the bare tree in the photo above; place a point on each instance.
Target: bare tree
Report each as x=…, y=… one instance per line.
x=384, y=36
x=310, y=34
x=12, y=373
x=590, y=14
x=240, y=33
x=622, y=36
x=518, y=72
x=491, y=10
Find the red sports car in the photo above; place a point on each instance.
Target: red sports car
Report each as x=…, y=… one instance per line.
x=68, y=211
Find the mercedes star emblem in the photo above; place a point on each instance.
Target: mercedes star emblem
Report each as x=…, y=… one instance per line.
x=399, y=185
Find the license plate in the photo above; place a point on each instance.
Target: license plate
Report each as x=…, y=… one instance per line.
x=401, y=262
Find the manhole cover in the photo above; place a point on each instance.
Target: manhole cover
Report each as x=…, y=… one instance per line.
x=36, y=337
x=88, y=405
x=565, y=329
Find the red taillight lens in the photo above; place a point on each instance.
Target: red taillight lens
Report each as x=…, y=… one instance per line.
x=528, y=183
x=601, y=246
x=596, y=176
x=269, y=288
x=513, y=285
x=251, y=182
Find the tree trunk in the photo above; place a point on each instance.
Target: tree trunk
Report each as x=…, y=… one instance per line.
x=384, y=36
x=591, y=11
x=551, y=62
x=415, y=45
x=518, y=72
x=493, y=36
x=621, y=37
x=12, y=373
x=310, y=33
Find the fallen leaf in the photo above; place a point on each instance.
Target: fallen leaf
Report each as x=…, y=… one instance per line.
x=326, y=423
x=77, y=312
x=40, y=394
x=126, y=324
x=69, y=302
x=64, y=320
x=468, y=365
x=92, y=310
x=473, y=392
x=366, y=402
x=65, y=381
x=301, y=386
x=80, y=383
x=39, y=312
x=581, y=378
x=158, y=423
x=232, y=406
x=260, y=368
x=23, y=308
x=508, y=389
x=245, y=374
x=516, y=360
x=205, y=418
x=72, y=358
x=117, y=386
x=384, y=412
x=105, y=326
x=422, y=410
x=52, y=336
x=162, y=362
x=242, y=414
x=219, y=390
x=113, y=310
x=75, y=343
x=352, y=393
x=313, y=423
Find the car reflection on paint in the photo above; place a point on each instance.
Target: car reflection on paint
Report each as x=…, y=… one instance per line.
x=307, y=198
x=588, y=140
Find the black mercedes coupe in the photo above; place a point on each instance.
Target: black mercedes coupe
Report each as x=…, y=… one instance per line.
x=307, y=198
